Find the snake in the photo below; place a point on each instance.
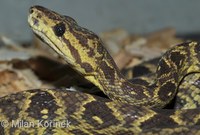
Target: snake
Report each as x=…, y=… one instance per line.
x=131, y=108
x=188, y=90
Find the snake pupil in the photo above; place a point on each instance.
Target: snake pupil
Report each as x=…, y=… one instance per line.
x=59, y=29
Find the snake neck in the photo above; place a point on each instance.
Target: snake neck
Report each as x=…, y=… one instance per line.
x=172, y=68
x=116, y=87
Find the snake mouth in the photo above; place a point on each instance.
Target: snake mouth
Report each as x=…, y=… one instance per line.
x=42, y=36
x=34, y=24
x=47, y=40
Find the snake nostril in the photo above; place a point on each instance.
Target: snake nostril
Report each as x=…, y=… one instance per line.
x=30, y=10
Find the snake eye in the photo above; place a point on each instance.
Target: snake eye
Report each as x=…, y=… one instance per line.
x=59, y=29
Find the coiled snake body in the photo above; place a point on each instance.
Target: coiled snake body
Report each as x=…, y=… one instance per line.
x=132, y=108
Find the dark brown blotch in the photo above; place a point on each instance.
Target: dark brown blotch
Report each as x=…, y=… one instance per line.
x=70, y=20
x=164, y=68
x=91, y=52
x=108, y=71
x=173, y=75
x=177, y=58
x=165, y=89
x=22, y=133
x=80, y=37
x=9, y=106
x=73, y=51
x=139, y=89
x=88, y=68
x=40, y=101
x=100, y=110
x=189, y=116
x=78, y=132
x=158, y=121
x=139, y=81
x=49, y=13
x=197, y=51
x=2, y=130
x=100, y=48
x=73, y=99
x=88, y=34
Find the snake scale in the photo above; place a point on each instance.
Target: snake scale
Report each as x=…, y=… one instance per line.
x=132, y=108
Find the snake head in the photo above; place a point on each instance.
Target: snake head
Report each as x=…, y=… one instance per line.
x=80, y=47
